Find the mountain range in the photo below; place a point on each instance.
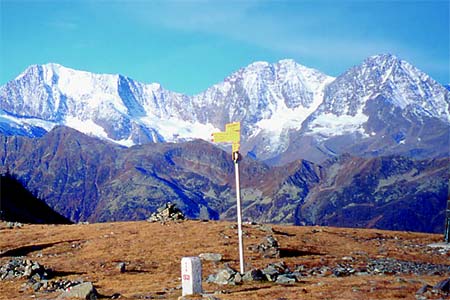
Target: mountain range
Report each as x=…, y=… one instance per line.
x=287, y=111
x=87, y=179
x=369, y=148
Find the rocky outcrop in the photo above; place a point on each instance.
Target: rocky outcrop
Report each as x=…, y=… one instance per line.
x=394, y=193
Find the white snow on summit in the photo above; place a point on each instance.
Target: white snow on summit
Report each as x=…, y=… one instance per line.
x=271, y=100
x=381, y=75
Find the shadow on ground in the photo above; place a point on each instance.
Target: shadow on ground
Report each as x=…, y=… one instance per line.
x=287, y=252
x=25, y=250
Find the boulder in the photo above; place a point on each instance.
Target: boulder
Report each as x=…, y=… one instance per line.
x=224, y=276
x=254, y=275
x=286, y=279
x=84, y=290
x=215, y=257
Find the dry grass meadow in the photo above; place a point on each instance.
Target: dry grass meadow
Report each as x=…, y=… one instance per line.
x=153, y=251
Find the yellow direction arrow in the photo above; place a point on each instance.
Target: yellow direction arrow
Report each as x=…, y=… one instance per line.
x=232, y=134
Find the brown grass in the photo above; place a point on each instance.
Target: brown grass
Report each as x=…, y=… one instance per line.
x=153, y=253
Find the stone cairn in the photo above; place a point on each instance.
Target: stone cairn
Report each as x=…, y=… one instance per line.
x=268, y=248
x=168, y=213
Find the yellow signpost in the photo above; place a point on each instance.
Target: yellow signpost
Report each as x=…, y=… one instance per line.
x=232, y=134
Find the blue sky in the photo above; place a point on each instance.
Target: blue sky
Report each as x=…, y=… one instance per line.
x=189, y=45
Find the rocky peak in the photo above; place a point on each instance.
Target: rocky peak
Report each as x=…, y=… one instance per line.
x=396, y=80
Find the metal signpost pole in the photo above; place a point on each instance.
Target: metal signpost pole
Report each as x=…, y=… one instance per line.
x=447, y=222
x=239, y=212
x=232, y=134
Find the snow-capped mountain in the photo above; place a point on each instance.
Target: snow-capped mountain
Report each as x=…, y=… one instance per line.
x=268, y=99
x=287, y=111
x=403, y=85
x=112, y=107
x=383, y=106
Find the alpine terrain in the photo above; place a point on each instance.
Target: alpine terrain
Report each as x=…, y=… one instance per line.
x=369, y=148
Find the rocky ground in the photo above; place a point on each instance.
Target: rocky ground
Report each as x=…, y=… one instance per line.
x=141, y=260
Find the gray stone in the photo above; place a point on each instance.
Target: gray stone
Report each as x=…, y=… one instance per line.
x=122, y=267
x=36, y=286
x=271, y=273
x=84, y=290
x=27, y=271
x=272, y=250
x=254, y=275
x=237, y=278
x=285, y=279
x=215, y=257
x=11, y=225
x=280, y=266
x=269, y=248
x=225, y=276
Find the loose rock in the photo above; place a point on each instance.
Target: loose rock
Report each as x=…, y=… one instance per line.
x=272, y=272
x=121, y=267
x=254, y=275
x=12, y=225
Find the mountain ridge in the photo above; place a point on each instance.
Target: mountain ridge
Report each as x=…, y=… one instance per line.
x=87, y=179
x=277, y=104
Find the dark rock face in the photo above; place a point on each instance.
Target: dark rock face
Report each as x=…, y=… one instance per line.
x=19, y=205
x=389, y=193
x=86, y=179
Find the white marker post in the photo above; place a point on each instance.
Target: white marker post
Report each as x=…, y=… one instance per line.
x=239, y=212
x=191, y=275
